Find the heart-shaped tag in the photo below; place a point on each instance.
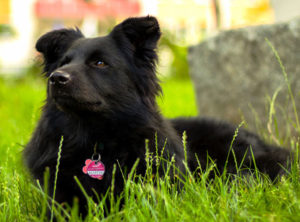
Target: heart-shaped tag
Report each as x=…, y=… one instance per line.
x=94, y=168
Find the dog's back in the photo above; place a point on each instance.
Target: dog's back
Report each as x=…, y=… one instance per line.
x=211, y=140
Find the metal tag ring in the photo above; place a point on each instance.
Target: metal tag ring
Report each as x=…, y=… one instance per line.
x=96, y=157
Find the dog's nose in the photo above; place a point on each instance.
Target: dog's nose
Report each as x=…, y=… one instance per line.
x=59, y=78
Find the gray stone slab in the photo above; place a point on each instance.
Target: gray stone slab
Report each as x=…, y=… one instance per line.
x=236, y=73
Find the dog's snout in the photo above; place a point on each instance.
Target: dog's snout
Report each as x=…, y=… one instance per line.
x=59, y=78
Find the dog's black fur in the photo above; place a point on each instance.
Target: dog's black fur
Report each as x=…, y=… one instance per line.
x=208, y=136
x=102, y=91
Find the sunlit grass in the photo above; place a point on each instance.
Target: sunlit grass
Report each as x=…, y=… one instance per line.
x=145, y=199
x=178, y=98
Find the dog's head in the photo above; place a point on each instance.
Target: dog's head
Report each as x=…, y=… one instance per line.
x=112, y=72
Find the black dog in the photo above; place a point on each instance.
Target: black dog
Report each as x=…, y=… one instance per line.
x=102, y=91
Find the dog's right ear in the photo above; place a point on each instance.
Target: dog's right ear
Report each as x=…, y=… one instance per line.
x=53, y=44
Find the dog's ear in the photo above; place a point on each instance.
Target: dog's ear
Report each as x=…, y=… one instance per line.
x=137, y=38
x=53, y=44
x=142, y=33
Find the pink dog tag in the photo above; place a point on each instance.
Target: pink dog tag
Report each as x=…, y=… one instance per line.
x=94, y=168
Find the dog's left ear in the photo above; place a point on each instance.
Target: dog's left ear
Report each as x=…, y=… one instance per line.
x=142, y=33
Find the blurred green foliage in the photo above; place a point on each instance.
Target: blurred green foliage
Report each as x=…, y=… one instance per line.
x=6, y=31
x=35, y=69
x=178, y=98
x=178, y=68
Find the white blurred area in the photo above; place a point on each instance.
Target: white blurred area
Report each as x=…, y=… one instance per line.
x=186, y=19
x=16, y=53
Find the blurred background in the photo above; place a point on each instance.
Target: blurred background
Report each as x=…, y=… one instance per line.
x=234, y=73
x=184, y=23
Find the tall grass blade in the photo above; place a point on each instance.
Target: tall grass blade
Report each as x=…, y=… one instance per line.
x=271, y=113
x=287, y=83
x=56, y=175
x=45, y=195
x=236, y=132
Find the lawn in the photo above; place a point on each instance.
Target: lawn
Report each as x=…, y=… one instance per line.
x=254, y=198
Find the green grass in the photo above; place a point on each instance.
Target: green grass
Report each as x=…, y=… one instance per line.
x=147, y=199
x=178, y=98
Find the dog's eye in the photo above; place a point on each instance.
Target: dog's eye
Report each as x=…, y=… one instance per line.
x=100, y=64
